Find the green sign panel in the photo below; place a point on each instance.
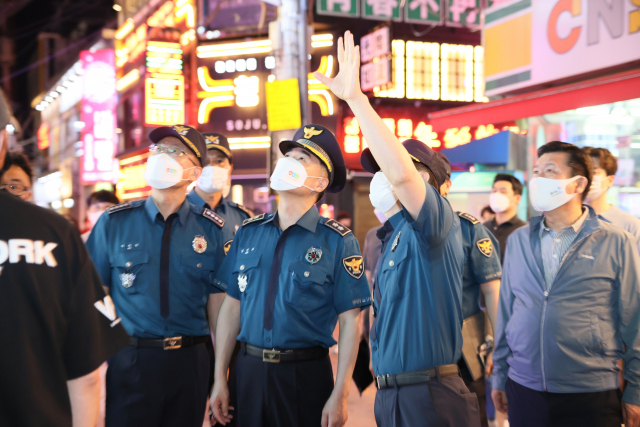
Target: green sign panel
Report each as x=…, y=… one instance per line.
x=382, y=10
x=423, y=11
x=463, y=13
x=346, y=8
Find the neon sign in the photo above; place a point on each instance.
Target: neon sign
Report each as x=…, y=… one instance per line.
x=99, y=100
x=43, y=136
x=164, y=99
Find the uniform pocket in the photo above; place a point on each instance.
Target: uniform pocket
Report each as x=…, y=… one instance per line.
x=391, y=286
x=199, y=270
x=307, y=278
x=246, y=274
x=129, y=271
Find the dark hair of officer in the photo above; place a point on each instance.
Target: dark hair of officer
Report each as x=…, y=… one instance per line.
x=17, y=159
x=606, y=160
x=516, y=185
x=579, y=161
x=102, y=196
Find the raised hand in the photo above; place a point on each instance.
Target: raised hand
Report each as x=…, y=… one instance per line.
x=346, y=85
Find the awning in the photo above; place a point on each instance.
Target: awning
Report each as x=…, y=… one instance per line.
x=504, y=148
x=602, y=90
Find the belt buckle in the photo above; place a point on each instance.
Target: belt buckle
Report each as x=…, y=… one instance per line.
x=271, y=356
x=384, y=380
x=172, y=343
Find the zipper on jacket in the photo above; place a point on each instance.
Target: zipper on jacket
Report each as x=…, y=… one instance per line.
x=544, y=306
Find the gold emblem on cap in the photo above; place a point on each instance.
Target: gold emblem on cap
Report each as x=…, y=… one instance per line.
x=182, y=130
x=309, y=132
x=213, y=139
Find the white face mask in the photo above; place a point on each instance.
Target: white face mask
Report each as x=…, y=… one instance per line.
x=381, y=193
x=213, y=179
x=499, y=202
x=596, y=190
x=163, y=171
x=289, y=174
x=93, y=217
x=549, y=194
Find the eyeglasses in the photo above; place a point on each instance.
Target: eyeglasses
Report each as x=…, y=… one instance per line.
x=172, y=151
x=15, y=189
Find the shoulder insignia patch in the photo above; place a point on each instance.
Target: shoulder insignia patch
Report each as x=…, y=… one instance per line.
x=254, y=219
x=245, y=210
x=213, y=217
x=485, y=247
x=468, y=217
x=337, y=227
x=227, y=246
x=354, y=266
x=121, y=207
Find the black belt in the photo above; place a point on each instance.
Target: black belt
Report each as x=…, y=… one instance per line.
x=172, y=343
x=416, y=377
x=277, y=356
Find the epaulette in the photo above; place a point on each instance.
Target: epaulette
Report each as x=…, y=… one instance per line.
x=245, y=210
x=468, y=217
x=121, y=207
x=258, y=218
x=213, y=217
x=337, y=227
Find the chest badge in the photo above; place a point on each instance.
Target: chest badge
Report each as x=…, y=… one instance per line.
x=313, y=255
x=127, y=279
x=199, y=244
x=242, y=282
x=354, y=266
x=485, y=247
x=395, y=242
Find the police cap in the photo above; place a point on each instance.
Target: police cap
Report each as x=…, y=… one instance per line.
x=188, y=135
x=447, y=163
x=217, y=141
x=321, y=142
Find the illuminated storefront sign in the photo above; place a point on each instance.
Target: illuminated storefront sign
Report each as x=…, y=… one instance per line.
x=164, y=99
x=99, y=100
x=131, y=183
x=44, y=141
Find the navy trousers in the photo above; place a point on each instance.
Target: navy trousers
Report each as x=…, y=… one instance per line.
x=152, y=387
x=531, y=408
x=291, y=394
x=441, y=402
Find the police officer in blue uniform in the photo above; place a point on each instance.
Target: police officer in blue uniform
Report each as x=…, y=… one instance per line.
x=158, y=259
x=482, y=273
x=416, y=338
x=290, y=277
x=212, y=187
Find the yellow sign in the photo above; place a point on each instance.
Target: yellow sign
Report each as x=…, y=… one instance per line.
x=283, y=105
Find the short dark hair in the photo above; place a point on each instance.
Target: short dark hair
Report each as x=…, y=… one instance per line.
x=606, y=160
x=102, y=196
x=487, y=209
x=14, y=158
x=579, y=161
x=515, y=182
x=421, y=167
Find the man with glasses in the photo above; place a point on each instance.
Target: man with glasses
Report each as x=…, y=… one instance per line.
x=158, y=258
x=16, y=176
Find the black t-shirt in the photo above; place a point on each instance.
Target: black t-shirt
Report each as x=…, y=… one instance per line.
x=503, y=231
x=50, y=331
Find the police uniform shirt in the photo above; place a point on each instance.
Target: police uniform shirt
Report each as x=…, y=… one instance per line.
x=51, y=331
x=482, y=261
x=418, y=310
x=232, y=213
x=320, y=274
x=126, y=247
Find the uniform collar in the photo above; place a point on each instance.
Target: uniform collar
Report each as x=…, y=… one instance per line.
x=397, y=218
x=308, y=221
x=152, y=210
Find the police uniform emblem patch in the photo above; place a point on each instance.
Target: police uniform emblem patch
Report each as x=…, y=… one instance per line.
x=485, y=247
x=242, y=282
x=127, y=279
x=213, y=217
x=311, y=132
x=354, y=266
x=227, y=246
x=313, y=255
x=199, y=244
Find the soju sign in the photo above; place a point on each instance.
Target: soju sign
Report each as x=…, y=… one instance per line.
x=346, y=8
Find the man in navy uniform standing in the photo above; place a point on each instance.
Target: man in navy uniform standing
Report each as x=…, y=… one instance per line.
x=416, y=338
x=158, y=259
x=212, y=187
x=290, y=277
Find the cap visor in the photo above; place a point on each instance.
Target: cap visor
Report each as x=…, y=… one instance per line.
x=368, y=162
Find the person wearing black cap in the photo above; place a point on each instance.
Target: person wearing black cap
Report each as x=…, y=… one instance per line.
x=482, y=273
x=416, y=337
x=158, y=259
x=57, y=325
x=290, y=277
x=212, y=187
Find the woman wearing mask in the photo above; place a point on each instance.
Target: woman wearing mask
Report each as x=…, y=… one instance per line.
x=97, y=203
x=214, y=184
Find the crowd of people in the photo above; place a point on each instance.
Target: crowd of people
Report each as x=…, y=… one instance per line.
x=205, y=311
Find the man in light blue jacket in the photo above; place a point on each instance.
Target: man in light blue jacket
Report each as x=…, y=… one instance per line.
x=569, y=307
